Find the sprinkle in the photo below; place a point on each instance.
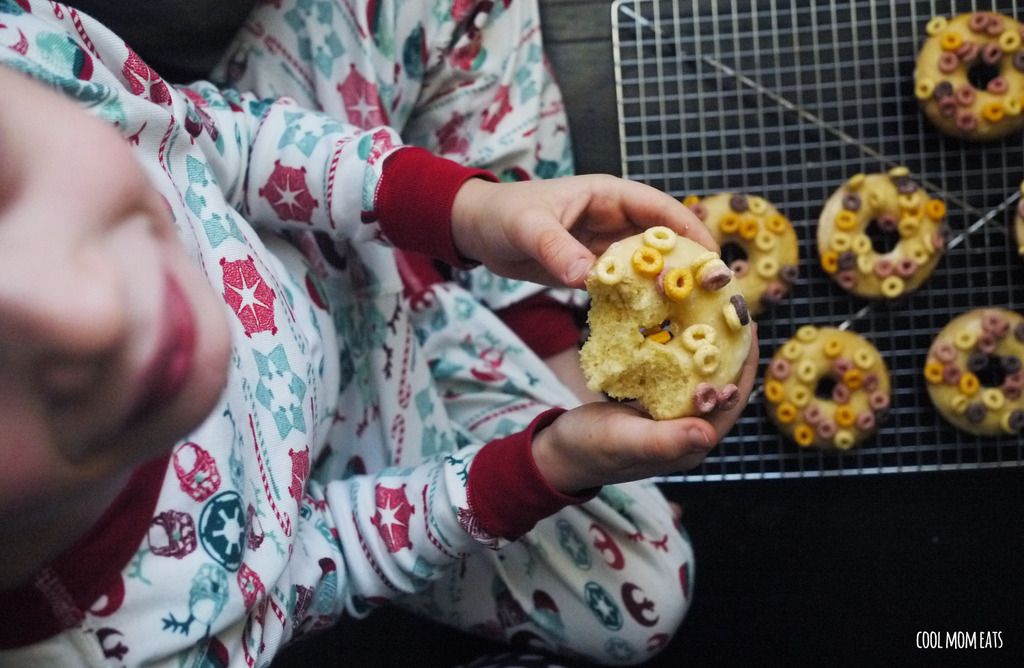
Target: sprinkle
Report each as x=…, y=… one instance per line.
x=924, y=88
x=698, y=335
x=864, y=359
x=660, y=238
x=856, y=181
x=853, y=378
x=968, y=52
x=1018, y=61
x=887, y=222
x=662, y=336
x=830, y=261
x=647, y=262
x=690, y=200
x=1015, y=422
x=699, y=210
x=861, y=244
x=993, y=112
x=866, y=264
x=908, y=226
x=1011, y=364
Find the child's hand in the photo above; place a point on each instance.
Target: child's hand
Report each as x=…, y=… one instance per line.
x=551, y=231
x=605, y=443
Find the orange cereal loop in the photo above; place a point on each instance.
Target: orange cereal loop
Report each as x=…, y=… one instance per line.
x=678, y=284
x=748, y=227
x=773, y=391
x=647, y=262
x=690, y=200
x=993, y=112
x=935, y=209
x=846, y=220
x=786, y=412
x=853, y=378
x=969, y=384
x=803, y=435
x=950, y=41
x=729, y=223
x=830, y=261
x=933, y=372
x=845, y=416
x=833, y=347
x=776, y=223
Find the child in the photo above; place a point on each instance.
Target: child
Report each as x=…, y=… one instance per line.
x=208, y=473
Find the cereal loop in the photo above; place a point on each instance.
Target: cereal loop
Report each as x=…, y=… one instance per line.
x=647, y=262
x=660, y=238
x=698, y=335
x=609, y=270
x=678, y=284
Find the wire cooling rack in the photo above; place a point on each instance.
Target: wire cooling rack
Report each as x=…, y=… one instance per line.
x=788, y=99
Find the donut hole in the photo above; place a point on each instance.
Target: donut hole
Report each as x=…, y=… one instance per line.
x=980, y=74
x=882, y=240
x=992, y=374
x=732, y=251
x=823, y=390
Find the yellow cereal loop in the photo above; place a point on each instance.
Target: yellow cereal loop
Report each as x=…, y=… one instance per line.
x=678, y=284
x=933, y=372
x=908, y=226
x=924, y=88
x=698, y=335
x=660, y=336
x=729, y=223
x=832, y=348
x=660, y=238
x=706, y=359
x=786, y=412
x=799, y=396
x=791, y=350
x=757, y=205
x=748, y=227
x=936, y=25
x=846, y=220
x=969, y=383
x=892, y=286
x=993, y=398
x=806, y=371
x=864, y=359
x=807, y=333
x=1005, y=423
x=609, y=270
x=844, y=439
x=935, y=209
x=776, y=223
x=774, y=391
x=866, y=264
x=830, y=261
x=917, y=252
x=767, y=267
x=1011, y=106
x=1009, y=41
x=845, y=416
x=732, y=317
x=959, y=404
x=690, y=200
x=856, y=181
x=899, y=172
x=647, y=262
x=840, y=242
x=803, y=435
x=873, y=199
x=765, y=241
x=909, y=201
x=703, y=259
x=950, y=41
x=853, y=378
x=861, y=244
x=965, y=339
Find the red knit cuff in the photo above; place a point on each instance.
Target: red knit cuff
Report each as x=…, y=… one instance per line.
x=60, y=593
x=414, y=201
x=507, y=492
x=544, y=324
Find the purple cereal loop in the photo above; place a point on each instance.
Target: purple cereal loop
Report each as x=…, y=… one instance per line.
x=906, y=267
x=813, y=414
x=841, y=365
x=826, y=429
x=964, y=95
x=847, y=260
x=871, y=381
x=699, y=210
x=948, y=107
x=943, y=89
x=840, y=393
x=878, y=401
x=1012, y=393
x=851, y=202
x=1016, y=420
x=944, y=351
x=865, y=421
x=740, y=268
x=780, y=368
x=1010, y=364
x=948, y=62
x=906, y=185
x=991, y=54
x=742, y=312
x=728, y=396
x=1018, y=61
x=987, y=343
x=738, y=203
x=998, y=86
x=705, y=398
x=977, y=361
x=790, y=273
x=887, y=222
x=847, y=279
x=715, y=278
x=966, y=121
x=975, y=412
x=951, y=373
x=884, y=268
x=977, y=22
x=1018, y=332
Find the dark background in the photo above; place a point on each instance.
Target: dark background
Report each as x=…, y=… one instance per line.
x=823, y=571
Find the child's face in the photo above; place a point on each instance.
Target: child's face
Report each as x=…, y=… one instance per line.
x=112, y=344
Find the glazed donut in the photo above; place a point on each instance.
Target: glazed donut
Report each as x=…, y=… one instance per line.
x=858, y=400
x=974, y=374
x=969, y=76
x=894, y=203
x=668, y=326
x=766, y=237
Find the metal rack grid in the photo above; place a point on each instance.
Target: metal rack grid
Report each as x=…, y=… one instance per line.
x=788, y=99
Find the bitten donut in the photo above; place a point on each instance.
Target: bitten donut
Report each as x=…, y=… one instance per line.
x=768, y=241
x=974, y=375
x=801, y=371
x=969, y=76
x=668, y=326
x=896, y=204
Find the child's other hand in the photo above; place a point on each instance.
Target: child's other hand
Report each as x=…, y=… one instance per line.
x=551, y=231
x=605, y=443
